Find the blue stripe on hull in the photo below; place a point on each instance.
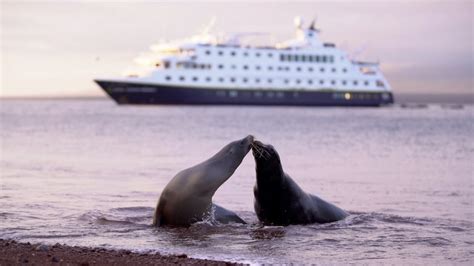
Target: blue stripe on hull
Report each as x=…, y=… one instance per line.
x=130, y=93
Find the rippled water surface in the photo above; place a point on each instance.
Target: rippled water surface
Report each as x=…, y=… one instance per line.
x=90, y=173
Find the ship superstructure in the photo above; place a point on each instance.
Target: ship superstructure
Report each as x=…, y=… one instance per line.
x=208, y=69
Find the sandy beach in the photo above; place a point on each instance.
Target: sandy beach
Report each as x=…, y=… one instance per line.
x=14, y=253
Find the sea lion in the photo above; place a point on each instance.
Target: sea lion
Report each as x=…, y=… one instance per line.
x=187, y=198
x=279, y=200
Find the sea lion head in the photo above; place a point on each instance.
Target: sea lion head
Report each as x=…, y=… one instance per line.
x=266, y=157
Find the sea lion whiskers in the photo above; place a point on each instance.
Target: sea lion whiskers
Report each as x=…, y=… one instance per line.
x=261, y=152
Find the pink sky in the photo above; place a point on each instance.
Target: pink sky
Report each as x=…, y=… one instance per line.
x=53, y=48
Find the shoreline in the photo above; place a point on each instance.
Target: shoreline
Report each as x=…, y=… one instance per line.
x=15, y=253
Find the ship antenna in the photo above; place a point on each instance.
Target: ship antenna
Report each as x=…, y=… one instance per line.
x=312, y=26
x=209, y=26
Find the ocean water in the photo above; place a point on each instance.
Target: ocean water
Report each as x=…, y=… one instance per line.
x=90, y=173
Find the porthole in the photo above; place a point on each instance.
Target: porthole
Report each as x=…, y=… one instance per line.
x=232, y=53
x=220, y=53
x=221, y=79
x=270, y=55
x=355, y=82
x=269, y=80
x=310, y=69
x=246, y=67
x=257, y=54
x=366, y=83
x=310, y=82
x=208, y=79
x=232, y=79
x=270, y=68
x=220, y=66
x=321, y=82
x=333, y=70
x=333, y=82
x=257, y=67
x=321, y=69
x=245, y=80
x=168, y=78
x=208, y=52
x=298, y=69
x=344, y=82
x=298, y=81
x=181, y=78
x=286, y=81
x=257, y=80
x=195, y=78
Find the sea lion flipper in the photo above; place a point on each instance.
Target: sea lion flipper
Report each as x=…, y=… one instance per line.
x=222, y=215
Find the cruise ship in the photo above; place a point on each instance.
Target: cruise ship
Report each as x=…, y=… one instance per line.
x=215, y=70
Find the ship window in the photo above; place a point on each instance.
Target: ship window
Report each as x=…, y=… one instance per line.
x=181, y=78
x=246, y=67
x=257, y=80
x=245, y=80
x=221, y=53
x=246, y=54
x=220, y=66
x=310, y=82
x=317, y=58
x=282, y=57
x=221, y=79
x=303, y=58
x=297, y=58
x=298, y=69
x=287, y=68
x=333, y=82
x=310, y=58
x=195, y=78
x=344, y=82
x=310, y=69
x=355, y=82
x=321, y=82
x=331, y=59
x=333, y=70
x=257, y=67
x=321, y=69
x=257, y=54
x=286, y=81
x=344, y=70
x=232, y=53
x=208, y=79
x=166, y=64
x=208, y=52
x=168, y=78
x=270, y=55
x=270, y=68
x=366, y=83
x=323, y=59
x=269, y=80
x=298, y=81
x=233, y=67
x=232, y=79
x=289, y=58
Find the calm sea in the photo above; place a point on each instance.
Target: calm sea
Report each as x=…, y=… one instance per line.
x=90, y=173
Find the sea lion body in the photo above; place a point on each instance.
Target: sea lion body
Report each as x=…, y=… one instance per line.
x=187, y=198
x=280, y=201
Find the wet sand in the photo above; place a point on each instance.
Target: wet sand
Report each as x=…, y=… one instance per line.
x=14, y=253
